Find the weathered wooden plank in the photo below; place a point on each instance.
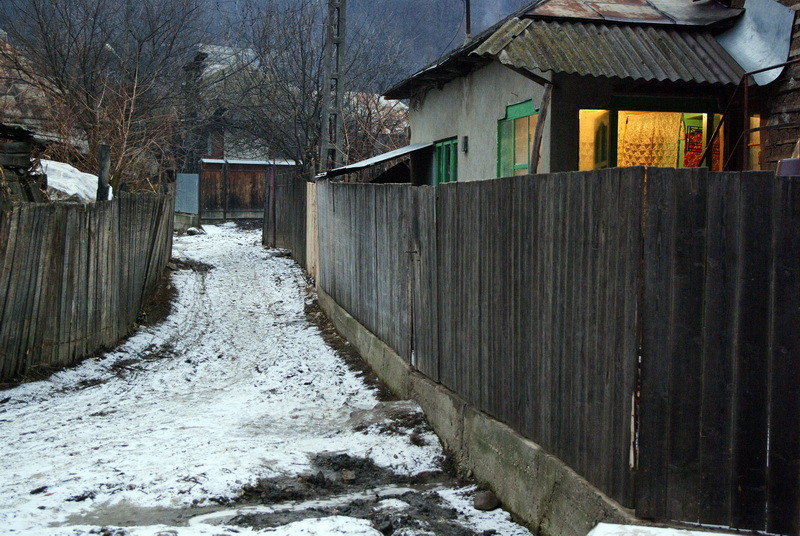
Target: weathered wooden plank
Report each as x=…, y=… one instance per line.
x=506, y=394
x=10, y=238
x=93, y=282
x=470, y=289
x=590, y=414
x=48, y=289
x=25, y=347
x=564, y=400
x=447, y=208
x=558, y=417
x=751, y=419
x=69, y=275
x=783, y=493
x=84, y=277
x=604, y=370
x=651, y=492
x=424, y=303
x=526, y=292
x=686, y=369
x=631, y=191
x=717, y=354
x=488, y=359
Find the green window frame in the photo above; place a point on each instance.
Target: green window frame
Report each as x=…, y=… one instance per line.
x=445, y=161
x=514, y=136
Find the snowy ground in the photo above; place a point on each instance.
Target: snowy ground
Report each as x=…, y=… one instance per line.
x=233, y=416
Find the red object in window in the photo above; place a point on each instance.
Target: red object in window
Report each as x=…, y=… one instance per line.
x=693, y=148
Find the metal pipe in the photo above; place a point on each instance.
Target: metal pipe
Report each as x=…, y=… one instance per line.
x=746, y=123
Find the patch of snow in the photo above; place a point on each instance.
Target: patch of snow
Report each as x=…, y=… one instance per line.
x=64, y=181
x=392, y=504
x=498, y=520
x=234, y=386
x=326, y=526
x=613, y=529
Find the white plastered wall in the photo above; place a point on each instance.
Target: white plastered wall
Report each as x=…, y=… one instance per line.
x=471, y=106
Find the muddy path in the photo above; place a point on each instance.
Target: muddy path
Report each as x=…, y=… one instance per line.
x=242, y=412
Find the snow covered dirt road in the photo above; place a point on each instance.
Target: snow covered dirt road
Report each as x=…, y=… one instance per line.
x=233, y=416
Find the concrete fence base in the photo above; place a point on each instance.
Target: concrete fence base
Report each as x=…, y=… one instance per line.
x=538, y=488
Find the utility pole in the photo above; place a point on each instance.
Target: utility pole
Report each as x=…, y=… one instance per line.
x=332, y=127
x=468, y=20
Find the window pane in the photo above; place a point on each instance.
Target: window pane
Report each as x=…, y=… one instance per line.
x=505, y=135
x=446, y=165
x=754, y=144
x=719, y=145
x=531, y=134
x=594, y=139
x=521, y=143
x=454, y=161
x=693, y=142
x=649, y=138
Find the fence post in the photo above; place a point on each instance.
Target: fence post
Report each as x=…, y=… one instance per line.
x=273, y=187
x=103, y=172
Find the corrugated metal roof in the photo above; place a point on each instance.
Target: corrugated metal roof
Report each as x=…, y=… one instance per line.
x=636, y=52
x=239, y=161
x=375, y=160
x=681, y=12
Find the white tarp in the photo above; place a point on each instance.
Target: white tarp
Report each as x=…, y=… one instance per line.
x=64, y=181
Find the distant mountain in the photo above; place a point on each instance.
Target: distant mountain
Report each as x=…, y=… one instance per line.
x=432, y=27
x=414, y=32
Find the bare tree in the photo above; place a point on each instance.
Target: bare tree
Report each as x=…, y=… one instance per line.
x=109, y=74
x=373, y=125
x=274, y=93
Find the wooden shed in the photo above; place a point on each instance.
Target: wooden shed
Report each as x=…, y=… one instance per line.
x=235, y=189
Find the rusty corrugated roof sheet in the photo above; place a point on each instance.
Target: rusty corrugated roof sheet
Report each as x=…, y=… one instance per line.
x=637, y=52
x=673, y=12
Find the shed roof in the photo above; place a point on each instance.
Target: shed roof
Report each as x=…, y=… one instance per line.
x=242, y=162
x=375, y=160
x=636, y=52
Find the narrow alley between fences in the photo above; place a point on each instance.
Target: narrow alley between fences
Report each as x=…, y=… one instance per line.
x=241, y=413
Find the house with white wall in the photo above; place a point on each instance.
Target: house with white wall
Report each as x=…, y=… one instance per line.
x=565, y=85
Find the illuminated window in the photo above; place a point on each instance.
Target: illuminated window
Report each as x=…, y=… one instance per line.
x=594, y=131
x=646, y=138
x=754, y=144
x=515, y=139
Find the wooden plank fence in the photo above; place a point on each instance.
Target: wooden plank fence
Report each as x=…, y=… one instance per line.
x=285, y=212
x=73, y=277
x=720, y=411
x=641, y=325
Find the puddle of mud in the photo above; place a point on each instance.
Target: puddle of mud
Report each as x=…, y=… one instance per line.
x=345, y=485
x=412, y=512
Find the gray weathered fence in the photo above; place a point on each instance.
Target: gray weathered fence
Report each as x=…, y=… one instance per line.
x=73, y=277
x=720, y=411
x=285, y=213
x=534, y=298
